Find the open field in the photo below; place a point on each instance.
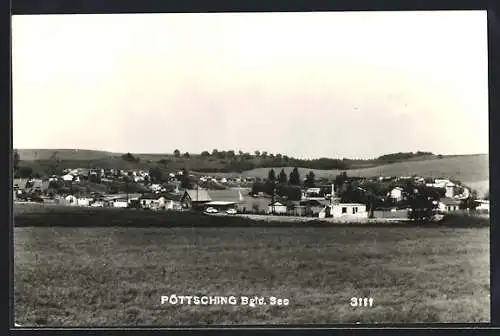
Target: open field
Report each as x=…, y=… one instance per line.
x=465, y=168
x=115, y=276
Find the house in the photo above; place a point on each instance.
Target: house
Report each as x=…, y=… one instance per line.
x=309, y=206
x=70, y=200
x=312, y=193
x=447, y=204
x=484, y=205
x=450, y=190
x=195, y=198
x=68, y=177
x=152, y=201
x=221, y=205
x=84, y=201
x=350, y=210
x=20, y=183
x=120, y=203
x=173, y=202
x=278, y=207
x=396, y=194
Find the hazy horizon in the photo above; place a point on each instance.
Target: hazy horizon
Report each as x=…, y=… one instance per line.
x=307, y=85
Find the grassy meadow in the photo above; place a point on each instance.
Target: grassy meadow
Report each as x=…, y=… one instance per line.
x=66, y=274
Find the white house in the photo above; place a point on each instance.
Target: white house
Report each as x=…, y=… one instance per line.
x=450, y=189
x=71, y=200
x=396, y=194
x=83, y=201
x=447, y=204
x=120, y=203
x=152, y=201
x=277, y=207
x=483, y=205
x=68, y=177
x=347, y=210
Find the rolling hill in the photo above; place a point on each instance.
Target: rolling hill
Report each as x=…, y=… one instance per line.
x=465, y=168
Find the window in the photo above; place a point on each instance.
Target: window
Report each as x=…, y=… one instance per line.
x=344, y=210
x=354, y=210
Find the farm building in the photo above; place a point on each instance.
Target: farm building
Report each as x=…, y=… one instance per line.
x=120, y=203
x=19, y=183
x=447, y=204
x=483, y=205
x=309, y=206
x=221, y=205
x=312, y=193
x=396, y=194
x=68, y=177
x=173, y=202
x=355, y=210
x=70, y=200
x=195, y=198
x=279, y=207
x=84, y=201
x=152, y=201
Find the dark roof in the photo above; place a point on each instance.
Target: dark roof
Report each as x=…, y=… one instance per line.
x=449, y=201
x=283, y=202
x=198, y=195
x=150, y=196
x=173, y=197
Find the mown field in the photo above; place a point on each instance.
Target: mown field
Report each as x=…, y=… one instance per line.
x=111, y=276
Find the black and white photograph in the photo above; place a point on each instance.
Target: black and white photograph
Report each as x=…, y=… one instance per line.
x=225, y=169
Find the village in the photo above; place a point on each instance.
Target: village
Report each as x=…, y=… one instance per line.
x=343, y=197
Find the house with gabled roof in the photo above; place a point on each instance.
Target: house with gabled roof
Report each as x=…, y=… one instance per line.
x=195, y=198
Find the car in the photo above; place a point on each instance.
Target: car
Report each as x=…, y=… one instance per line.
x=231, y=212
x=211, y=210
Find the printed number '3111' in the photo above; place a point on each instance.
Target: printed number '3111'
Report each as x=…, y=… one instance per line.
x=361, y=302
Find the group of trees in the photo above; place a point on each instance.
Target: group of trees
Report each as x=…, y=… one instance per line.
x=130, y=158
x=284, y=185
x=265, y=159
x=394, y=157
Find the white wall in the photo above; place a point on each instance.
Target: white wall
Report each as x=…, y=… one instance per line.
x=361, y=210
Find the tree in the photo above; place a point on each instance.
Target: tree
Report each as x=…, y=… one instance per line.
x=271, y=176
x=285, y=158
x=129, y=158
x=294, y=177
x=177, y=153
x=257, y=153
x=310, y=180
x=230, y=154
x=264, y=154
x=156, y=175
x=282, y=178
x=205, y=153
x=186, y=155
x=214, y=152
x=185, y=182
x=279, y=156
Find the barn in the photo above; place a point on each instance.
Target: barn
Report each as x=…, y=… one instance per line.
x=195, y=199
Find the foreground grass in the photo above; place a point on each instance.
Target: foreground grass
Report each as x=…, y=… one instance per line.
x=113, y=276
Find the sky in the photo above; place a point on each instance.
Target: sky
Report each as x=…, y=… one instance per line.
x=307, y=85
